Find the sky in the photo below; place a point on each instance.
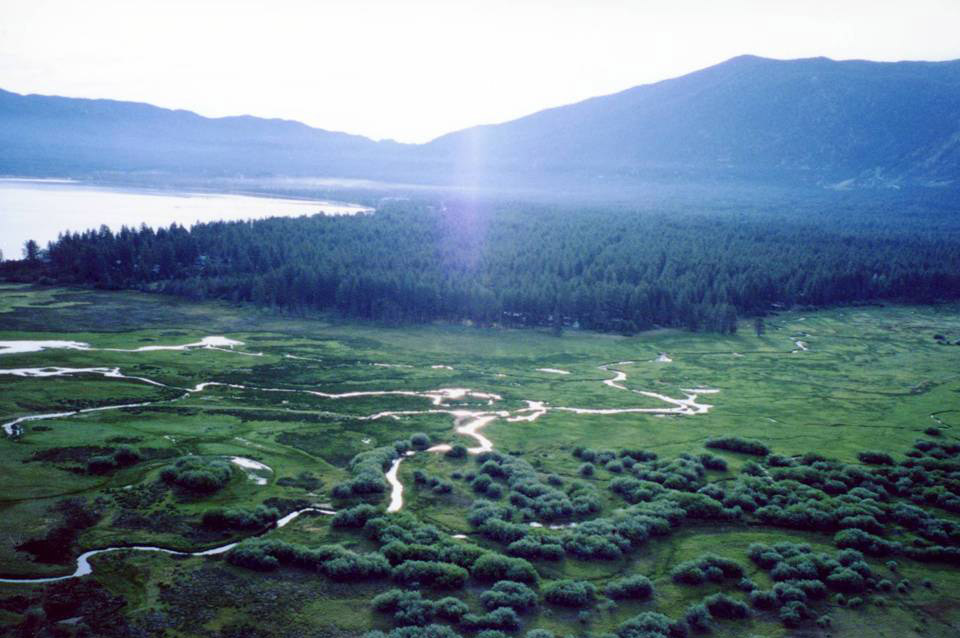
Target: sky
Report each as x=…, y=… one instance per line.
x=414, y=70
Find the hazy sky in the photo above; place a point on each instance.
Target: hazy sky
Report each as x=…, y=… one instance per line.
x=412, y=70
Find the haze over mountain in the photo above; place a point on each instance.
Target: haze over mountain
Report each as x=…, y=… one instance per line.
x=797, y=122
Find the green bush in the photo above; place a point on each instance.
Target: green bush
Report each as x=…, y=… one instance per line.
x=737, y=444
x=492, y=567
x=197, y=474
x=430, y=574
x=451, y=608
x=631, y=587
x=508, y=593
x=240, y=518
x=570, y=593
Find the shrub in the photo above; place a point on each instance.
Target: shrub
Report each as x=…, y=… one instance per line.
x=408, y=607
x=698, y=618
x=495, y=491
x=457, y=452
x=492, y=567
x=651, y=625
x=875, y=458
x=430, y=631
x=419, y=441
x=763, y=599
x=865, y=542
x=499, y=618
x=631, y=587
x=195, y=474
x=450, y=608
x=430, y=574
x=355, y=516
x=508, y=593
x=536, y=547
x=586, y=470
x=123, y=456
x=712, y=462
x=793, y=613
x=723, y=606
x=239, y=518
x=252, y=555
x=388, y=600
x=707, y=567
x=846, y=580
x=737, y=444
x=570, y=593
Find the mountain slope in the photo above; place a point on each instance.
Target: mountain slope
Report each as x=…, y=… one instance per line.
x=813, y=119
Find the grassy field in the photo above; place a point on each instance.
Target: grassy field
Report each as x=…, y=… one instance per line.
x=870, y=378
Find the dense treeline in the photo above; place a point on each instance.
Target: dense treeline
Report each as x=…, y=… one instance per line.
x=613, y=269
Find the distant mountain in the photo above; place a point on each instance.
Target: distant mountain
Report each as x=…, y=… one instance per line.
x=812, y=121
x=44, y=135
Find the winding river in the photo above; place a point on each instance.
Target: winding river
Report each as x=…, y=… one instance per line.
x=468, y=423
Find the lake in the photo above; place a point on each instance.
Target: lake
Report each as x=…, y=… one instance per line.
x=41, y=209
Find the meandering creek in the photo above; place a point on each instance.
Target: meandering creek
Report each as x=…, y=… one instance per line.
x=466, y=422
x=83, y=561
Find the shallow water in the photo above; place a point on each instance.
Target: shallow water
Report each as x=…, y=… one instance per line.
x=40, y=210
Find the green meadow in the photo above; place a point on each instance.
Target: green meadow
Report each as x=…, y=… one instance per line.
x=861, y=379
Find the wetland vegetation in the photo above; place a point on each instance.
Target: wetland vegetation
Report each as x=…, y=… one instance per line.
x=669, y=484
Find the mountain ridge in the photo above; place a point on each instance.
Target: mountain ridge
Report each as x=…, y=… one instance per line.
x=811, y=121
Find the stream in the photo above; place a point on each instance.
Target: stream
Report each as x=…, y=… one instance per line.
x=83, y=561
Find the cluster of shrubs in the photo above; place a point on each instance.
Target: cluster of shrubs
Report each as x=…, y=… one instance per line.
x=609, y=538
x=196, y=474
x=332, y=561
x=650, y=475
x=411, y=608
x=700, y=616
x=502, y=603
x=802, y=576
x=857, y=503
x=428, y=631
x=435, y=484
x=495, y=522
x=707, y=568
x=404, y=538
x=240, y=518
x=533, y=499
x=537, y=546
x=368, y=470
x=653, y=625
x=122, y=456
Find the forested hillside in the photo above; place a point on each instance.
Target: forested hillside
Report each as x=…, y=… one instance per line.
x=605, y=269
